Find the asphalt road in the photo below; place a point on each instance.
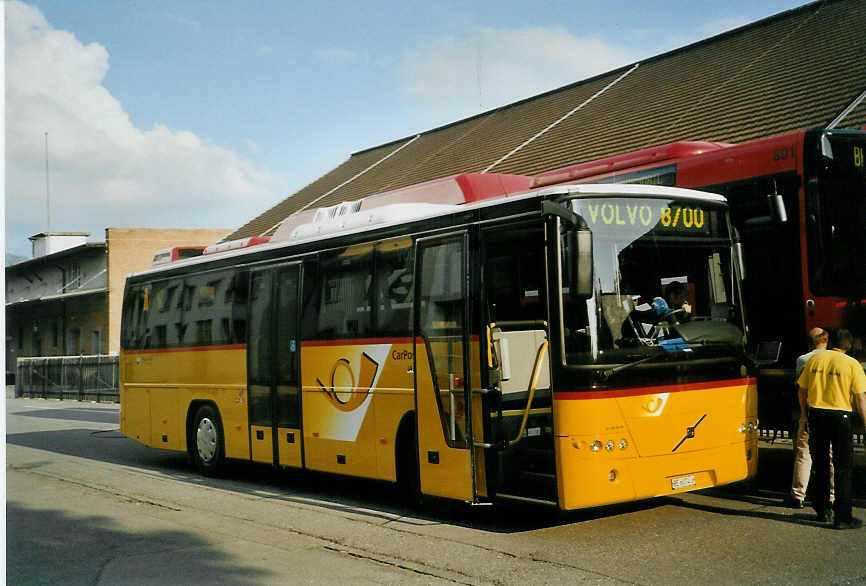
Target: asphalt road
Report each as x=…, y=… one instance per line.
x=87, y=506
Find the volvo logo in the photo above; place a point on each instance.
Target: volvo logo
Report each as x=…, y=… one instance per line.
x=690, y=433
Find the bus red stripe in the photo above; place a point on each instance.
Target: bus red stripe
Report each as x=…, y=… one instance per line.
x=355, y=342
x=637, y=391
x=368, y=341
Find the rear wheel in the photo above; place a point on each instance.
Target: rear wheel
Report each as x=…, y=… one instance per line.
x=207, y=440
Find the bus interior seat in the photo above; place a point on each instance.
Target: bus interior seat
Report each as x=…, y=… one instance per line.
x=616, y=308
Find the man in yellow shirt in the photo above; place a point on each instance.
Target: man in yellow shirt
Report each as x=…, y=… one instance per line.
x=831, y=384
x=818, y=339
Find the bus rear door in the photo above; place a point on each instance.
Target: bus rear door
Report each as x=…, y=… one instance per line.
x=273, y=351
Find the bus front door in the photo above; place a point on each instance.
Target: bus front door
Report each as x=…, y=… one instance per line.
x=273, y=351
x=442, y=377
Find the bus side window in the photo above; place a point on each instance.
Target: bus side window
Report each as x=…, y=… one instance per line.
x=394, y=288
x=345, y=307
x=237, y=296
x=312, y=287
x=131, y=308
x=514, y=274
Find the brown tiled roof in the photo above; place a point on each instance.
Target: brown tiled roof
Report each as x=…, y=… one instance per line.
x=795, y=70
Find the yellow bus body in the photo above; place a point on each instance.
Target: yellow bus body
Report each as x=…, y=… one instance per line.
x=643, y=443
x=351, y=415
x=158, y=387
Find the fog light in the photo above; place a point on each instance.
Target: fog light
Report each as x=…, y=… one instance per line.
x=595, y=446
x=611, y=475
x=609, y=446
x=623, y=444
x=742, y=428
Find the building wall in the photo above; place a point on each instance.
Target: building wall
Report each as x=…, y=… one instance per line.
x=78, y=271
x=45, y=307
x=131, y=250
x=69, y=327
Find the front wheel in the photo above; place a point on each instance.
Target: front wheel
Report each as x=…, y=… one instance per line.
x=207, y=440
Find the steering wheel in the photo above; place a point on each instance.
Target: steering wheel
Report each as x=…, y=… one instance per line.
x=668, y=315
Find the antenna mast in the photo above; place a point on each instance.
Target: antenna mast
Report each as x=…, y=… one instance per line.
x=47, y=188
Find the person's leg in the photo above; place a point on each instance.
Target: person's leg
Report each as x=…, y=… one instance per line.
x=819, y=446
x=802, y=466
x=843, y=461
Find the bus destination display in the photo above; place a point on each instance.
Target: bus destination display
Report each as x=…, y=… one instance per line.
x=658, y=216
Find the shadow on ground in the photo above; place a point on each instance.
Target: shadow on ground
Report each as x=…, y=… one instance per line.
x=51, y=547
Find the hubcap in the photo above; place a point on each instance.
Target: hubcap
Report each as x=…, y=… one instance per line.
x=206, y=439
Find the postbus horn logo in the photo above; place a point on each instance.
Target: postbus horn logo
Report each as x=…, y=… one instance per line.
x=342, y=391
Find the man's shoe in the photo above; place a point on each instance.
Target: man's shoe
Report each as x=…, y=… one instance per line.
x=825, y=516
x=854, y=523
x=793, y=502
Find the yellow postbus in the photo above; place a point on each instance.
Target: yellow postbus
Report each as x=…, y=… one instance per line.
x=490, y=347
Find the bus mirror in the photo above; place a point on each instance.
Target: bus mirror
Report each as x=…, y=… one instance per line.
x=739, y=259
x=777, y=208
x=767, y=353
x=583, y=273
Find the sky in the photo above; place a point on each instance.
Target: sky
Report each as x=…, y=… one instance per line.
x=203, y=114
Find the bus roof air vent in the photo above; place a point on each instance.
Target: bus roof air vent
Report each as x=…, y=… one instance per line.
x=236, y=244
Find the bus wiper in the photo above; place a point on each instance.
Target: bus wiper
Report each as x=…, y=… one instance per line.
x=674, y=348
x=612, y=371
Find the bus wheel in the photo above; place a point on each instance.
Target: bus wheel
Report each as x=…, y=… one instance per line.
x=207, y=437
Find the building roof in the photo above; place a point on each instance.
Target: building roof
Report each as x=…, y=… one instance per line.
x=54, y=256
x=46, y=234
x=57, y=297
x=795, y=70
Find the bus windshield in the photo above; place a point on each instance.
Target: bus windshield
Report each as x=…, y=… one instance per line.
x=836, y=215
x=664, y=283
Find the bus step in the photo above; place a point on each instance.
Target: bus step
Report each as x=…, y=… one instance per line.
x=538, y=475
x=526, y=499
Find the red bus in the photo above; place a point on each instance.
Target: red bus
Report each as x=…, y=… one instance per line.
x=804, y=250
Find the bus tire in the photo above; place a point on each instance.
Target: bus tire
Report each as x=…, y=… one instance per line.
x=408, y=472
x=207, y=447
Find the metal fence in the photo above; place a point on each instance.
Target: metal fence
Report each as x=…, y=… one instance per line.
x=85, y=378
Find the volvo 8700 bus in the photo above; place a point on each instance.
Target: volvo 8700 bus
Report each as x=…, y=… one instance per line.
x=483, y=346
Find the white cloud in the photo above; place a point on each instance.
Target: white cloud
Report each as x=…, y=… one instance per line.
x=493, y=67
x=103, y=170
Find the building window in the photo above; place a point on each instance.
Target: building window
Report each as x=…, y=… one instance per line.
x=73, y=276
x=55, y=335
x=205, y=332
x=94, y=342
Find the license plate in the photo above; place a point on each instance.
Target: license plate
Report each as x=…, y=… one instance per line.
x=683, y=482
